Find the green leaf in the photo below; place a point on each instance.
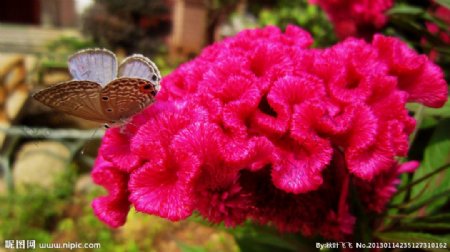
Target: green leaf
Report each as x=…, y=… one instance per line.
x=188, y=248
x=264, y=242
x=445, y=217
x=428, y=122
x=445, y=3
x=443, y=50
x=253, y=238
x=436, y=155
x=442, y=112
x=405, y=9
x=429, y=204
x=442, y=227
x=249, y=244
x=414, y=237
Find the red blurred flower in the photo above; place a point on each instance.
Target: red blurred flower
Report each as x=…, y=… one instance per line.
x=443, y=35
x=356, y=18
x=260, y=127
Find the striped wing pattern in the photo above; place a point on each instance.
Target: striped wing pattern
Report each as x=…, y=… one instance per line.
x=124, y=97
x=77, y=98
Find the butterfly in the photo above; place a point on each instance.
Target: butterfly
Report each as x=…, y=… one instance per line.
x=101, y=90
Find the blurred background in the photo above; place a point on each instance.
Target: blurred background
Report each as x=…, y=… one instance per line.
x=46, y=156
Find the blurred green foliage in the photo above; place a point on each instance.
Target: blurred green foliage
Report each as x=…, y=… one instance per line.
x=58, y=215
x=58, y=50
x=137, y=26
x=32, y=213
x=299, y=12
x=69, y=44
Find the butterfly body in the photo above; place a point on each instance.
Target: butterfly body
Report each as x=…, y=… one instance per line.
x=97, y=93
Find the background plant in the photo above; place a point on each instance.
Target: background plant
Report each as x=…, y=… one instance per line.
x=135, y=26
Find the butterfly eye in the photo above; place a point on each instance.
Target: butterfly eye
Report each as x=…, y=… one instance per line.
x=154, y=77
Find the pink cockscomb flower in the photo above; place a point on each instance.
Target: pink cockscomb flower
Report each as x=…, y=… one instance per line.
x=113, y=208
x=355, y=18
x=261, y=127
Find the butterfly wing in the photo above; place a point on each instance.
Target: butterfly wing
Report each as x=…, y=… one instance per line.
x=77, y=98
x=97, y=65
x=138, y=66
x=124, y=97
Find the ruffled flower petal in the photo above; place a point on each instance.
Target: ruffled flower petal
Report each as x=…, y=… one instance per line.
x=164, y=122
x=164, y=189
x=418, y=76
x=281, y=99
x=298, y=163
x=370, y=160
x=116, y=149
x=113, y=208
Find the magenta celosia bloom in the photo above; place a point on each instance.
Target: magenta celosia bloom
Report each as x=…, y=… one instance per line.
x=113, y=208
x=261, y=127
x=355, y=18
